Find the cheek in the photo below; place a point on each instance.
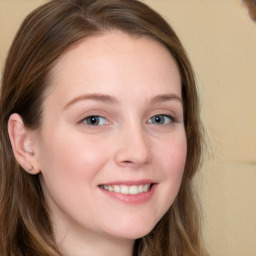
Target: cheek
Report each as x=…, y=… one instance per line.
x=173, y=155
x=71, y=160
x=70, y=169
x=173, y=159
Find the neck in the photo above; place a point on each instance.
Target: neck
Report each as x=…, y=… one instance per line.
x=77, y=242
x=96, y=246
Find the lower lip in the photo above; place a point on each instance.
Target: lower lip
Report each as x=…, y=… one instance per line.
x=131, y=199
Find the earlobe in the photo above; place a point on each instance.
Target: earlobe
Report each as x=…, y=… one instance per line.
x=22, y=143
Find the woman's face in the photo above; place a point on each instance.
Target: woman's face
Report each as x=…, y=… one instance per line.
x=112, y=146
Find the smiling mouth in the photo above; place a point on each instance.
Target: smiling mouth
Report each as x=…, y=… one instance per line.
x=128, y=189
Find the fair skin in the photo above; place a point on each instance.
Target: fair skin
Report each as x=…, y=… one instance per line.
x=112, y=117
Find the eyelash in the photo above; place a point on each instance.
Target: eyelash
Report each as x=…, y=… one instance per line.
x=171, y=119
x=95, y=120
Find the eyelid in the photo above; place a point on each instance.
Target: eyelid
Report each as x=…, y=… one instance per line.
x=87, y=111
x=172, y=119
x=97, y=118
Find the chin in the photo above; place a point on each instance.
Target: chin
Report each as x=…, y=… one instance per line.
x=134, y=231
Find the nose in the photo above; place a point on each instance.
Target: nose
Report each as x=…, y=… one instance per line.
x=133, y=147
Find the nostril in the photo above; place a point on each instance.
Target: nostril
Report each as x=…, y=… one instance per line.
x=132, y=151
x=127, y=162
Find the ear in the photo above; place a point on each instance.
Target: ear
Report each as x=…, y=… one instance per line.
x=23, y=144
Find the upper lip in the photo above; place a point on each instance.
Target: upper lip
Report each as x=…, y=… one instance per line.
x=128, y=182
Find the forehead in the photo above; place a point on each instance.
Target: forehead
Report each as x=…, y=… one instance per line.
x=115, y=61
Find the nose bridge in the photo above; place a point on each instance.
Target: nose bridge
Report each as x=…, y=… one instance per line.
x=134, y=144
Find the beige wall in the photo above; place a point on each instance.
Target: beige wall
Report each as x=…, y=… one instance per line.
x=221, y=41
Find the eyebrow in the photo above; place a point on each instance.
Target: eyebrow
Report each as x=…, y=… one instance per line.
x=110, y=99
x=95, y=96
x=167, y=97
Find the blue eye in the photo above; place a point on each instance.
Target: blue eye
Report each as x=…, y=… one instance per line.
x=95, y=120
x=161, y=119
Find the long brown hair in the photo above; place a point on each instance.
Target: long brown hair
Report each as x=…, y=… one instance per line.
x=46, y=33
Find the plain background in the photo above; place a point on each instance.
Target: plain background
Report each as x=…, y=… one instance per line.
x=220, y=39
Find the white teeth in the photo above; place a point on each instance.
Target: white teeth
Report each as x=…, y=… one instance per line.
x=124, y=189
x=133, y=190
x=141, y=188
x=117, y=189
x=127, y=190
x=146, y=187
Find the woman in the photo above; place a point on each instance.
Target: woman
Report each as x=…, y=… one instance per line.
x=100, y=134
